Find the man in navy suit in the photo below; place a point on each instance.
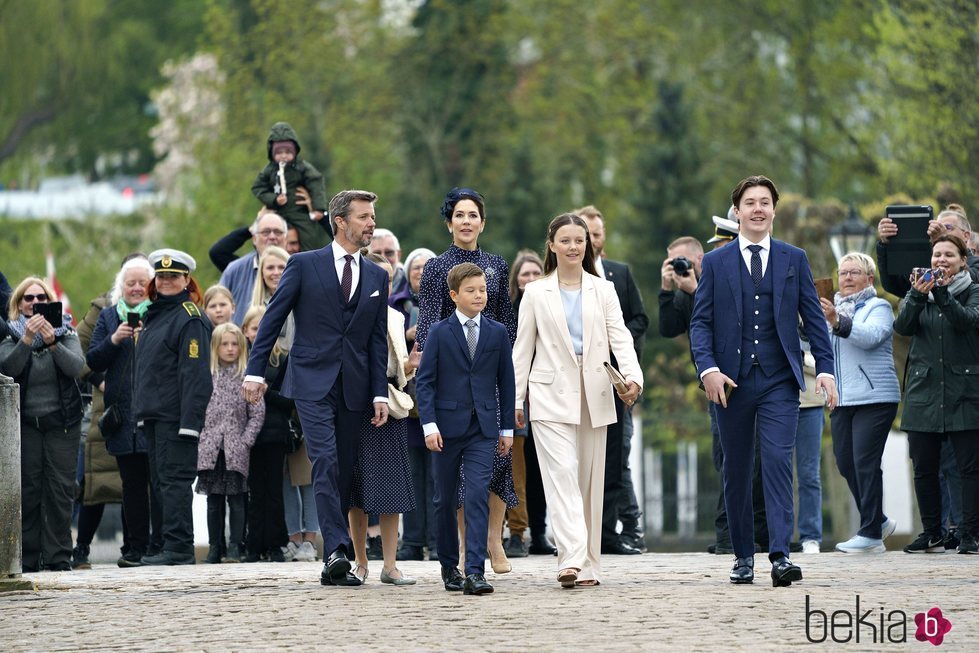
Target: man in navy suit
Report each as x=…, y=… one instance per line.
x=745, y=321
x=337, y=364
x=467, y=364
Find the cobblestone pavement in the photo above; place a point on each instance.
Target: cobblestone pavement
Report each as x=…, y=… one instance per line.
x=675, y=602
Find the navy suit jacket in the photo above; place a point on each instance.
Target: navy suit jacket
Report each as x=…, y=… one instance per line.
x=323, y=348
x=449, y=385
x=718, y=317
x=633, y=311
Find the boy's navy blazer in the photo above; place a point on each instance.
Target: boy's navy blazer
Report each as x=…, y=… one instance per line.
x=718, y=315
x=323, y=346
x=449, y=386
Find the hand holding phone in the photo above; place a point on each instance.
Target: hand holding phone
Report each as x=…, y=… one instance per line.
x=132, y=319
x=51, y=311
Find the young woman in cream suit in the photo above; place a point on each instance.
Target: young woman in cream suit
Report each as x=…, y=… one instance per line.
x=568, y=322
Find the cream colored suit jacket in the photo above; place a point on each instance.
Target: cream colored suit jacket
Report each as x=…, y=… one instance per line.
x=544, y=358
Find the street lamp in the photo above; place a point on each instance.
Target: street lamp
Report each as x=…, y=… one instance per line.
x=851, y=235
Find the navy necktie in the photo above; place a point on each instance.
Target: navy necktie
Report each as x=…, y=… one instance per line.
x=755, y=264
x=347, y=280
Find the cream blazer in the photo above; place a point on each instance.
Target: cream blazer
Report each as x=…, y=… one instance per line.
x=545, y=365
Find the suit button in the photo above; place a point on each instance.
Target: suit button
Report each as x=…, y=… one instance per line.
x=756, y=297
x=739, y=351
x=756, y=312
x=598, y=369
x=603, y=393
x=756, y=342
x=756, y=326
x=560, y=392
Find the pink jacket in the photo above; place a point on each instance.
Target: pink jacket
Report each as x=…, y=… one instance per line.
x=230, y=421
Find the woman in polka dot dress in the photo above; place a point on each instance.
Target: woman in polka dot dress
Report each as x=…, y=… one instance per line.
x=465, y=218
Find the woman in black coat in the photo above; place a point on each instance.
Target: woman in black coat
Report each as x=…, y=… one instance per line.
x=111, y=352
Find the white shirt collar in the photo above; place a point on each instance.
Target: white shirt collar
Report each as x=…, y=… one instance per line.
x=339, y=252
x=463, y=319
x=766, y=242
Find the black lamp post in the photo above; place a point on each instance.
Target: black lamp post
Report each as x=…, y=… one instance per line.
x=851, y=235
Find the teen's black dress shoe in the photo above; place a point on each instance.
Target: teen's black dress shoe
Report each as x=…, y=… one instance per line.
x=784, y=572
x=337, y=565
x=743, y=571
x=476, y=584
x=348, y=579
x=620, y=548
x=453, y=579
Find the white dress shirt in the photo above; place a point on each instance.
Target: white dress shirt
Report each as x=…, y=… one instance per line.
x=340, y=262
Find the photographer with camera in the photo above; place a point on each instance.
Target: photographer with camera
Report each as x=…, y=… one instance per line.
x=679, y=275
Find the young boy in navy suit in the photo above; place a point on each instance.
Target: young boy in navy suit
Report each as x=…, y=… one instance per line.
x=467, y=364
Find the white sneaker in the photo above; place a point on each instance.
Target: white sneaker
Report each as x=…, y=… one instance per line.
x=810, y=546
x=290, y=551
x=861, y=544
x=307, y=553
x=887, y=528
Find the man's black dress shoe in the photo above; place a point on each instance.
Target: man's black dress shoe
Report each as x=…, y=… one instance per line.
x=540, y=546
x=476, y=584
x=453, y=579
x=620, y=548
x=784, y=572
x=348, y=579
x=720, y=549
x=337, y=565
x=743, y=571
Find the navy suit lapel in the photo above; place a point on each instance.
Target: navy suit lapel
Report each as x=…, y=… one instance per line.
x=732, y=269
x=778, y=265
x=326, y=272
x=456, y=328
x=362, y=291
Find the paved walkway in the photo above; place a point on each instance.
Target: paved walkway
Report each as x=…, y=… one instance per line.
x=675, y=602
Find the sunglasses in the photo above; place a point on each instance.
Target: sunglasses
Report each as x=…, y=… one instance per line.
x=30, y=298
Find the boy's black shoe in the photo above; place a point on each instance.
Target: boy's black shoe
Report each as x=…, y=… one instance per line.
x=410, y=552
x=374, y=548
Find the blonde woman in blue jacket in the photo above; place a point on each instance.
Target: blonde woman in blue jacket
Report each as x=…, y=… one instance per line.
x=862, y=331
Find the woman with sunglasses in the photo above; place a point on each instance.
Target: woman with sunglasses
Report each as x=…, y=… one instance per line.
x=45, y=359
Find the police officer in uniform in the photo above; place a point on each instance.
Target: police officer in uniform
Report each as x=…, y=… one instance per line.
x=173, y=387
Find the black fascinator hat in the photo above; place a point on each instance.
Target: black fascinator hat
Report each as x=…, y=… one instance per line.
x=457, y=194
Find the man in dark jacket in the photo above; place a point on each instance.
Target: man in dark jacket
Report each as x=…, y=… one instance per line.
x=620, y=502
x=276, y=184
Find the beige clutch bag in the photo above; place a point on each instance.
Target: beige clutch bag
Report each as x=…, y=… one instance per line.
x=615, y=376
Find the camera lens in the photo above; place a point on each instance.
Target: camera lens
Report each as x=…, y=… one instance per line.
x=681, y=266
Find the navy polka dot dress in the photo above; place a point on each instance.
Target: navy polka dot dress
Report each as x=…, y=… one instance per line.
x=434, y=304
x=382, y=477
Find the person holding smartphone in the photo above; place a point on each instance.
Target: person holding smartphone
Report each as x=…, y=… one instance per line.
x=112, y=352
x=45, y=359
x=940, y=401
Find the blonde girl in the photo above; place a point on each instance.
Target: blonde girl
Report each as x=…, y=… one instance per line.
x=231, y=425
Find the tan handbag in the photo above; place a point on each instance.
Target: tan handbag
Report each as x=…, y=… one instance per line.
x=615, y=376
x=399, y=403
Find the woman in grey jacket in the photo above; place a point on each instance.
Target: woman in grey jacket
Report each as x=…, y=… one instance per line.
x=941, y=394
x=45, y=360
x=862, y=330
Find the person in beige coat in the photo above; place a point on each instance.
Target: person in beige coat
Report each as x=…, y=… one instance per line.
x=569, y=321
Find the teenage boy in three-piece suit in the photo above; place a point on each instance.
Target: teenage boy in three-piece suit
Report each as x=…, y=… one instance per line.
x=466, y=374
x=744, y=338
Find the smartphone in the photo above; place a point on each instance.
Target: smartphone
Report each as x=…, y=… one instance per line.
x=52, y=312
x=132, y=319
x=927, y=274
x=824, y=288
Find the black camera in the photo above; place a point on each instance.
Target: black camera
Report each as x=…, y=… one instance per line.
x=681, y=266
